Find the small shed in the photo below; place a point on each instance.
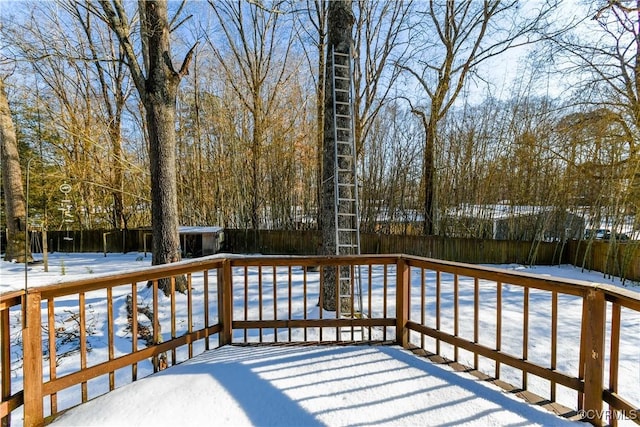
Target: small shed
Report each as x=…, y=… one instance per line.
x=199, y=241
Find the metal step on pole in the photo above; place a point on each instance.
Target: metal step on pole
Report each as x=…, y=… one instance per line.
x=346, y=194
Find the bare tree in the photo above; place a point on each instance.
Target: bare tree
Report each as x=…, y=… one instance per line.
x=467, y=33
x=390, y=172
x=260, y=70
x=340, y=39
x=158, y=89
x=381, y=39
x=110, y=71
x=603, y=53
x=15, y=201
x=311, y=28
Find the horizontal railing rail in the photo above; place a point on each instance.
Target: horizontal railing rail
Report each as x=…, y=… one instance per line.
x=52, y=353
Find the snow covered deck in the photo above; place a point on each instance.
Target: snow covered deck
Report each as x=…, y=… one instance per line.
x=309, y=386
x=572, y=342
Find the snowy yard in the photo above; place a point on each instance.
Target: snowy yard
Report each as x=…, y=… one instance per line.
x=319, y=385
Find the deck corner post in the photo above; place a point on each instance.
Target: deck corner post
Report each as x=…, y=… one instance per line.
x=402, y=302
x=594, y=342
x=225, y=307
x=32, y=363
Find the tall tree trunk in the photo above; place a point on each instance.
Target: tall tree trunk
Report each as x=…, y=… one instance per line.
x=340, y=39
x=160, y=105
x=119, y=218
x=321, y=8
x=15, y=201
x=158, y=91
x=429, y=179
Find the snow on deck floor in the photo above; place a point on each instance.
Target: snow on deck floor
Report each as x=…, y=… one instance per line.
x=309, y=386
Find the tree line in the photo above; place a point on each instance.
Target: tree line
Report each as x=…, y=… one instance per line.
x=436, y=133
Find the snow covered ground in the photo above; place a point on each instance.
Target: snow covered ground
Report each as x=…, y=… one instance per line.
x=274, y=377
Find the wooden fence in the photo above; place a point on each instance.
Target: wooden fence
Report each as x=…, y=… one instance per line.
x=620, y=259
x=475, y=251
x=460, y=311
x=307, y=242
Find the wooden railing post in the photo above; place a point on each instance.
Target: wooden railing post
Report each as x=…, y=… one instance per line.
x=402, y=302
x=593, y=356
x=32, y=364
x=225, y=302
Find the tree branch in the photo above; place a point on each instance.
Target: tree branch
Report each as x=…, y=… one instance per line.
x=184, y=69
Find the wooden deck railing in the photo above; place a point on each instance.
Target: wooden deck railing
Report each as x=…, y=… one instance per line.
x=478, y=316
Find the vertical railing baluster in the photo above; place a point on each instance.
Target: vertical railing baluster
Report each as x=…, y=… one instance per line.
x=51, y=322
x=246, y=300
x=304, y=296
x=321, y=300
x=369, y=296
x=456, y=314
x=172, y=282
x=385, y=299
x=5, y=361
x=205, y=292
x=338, y=300
x=554, y=340
x=498, y=325
x=275, y=302
x=189, y=313
x=423, y=299
x=110, y=337
x=290, y=301
x=525, y=335
x=83, y=343
x=157, y=336
x=205, y=303
x=614, y=356
x=260, y=298
x=134, y=328
x=476, y=318
x=352, y=295
x=438, y=289
x=582, y=354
